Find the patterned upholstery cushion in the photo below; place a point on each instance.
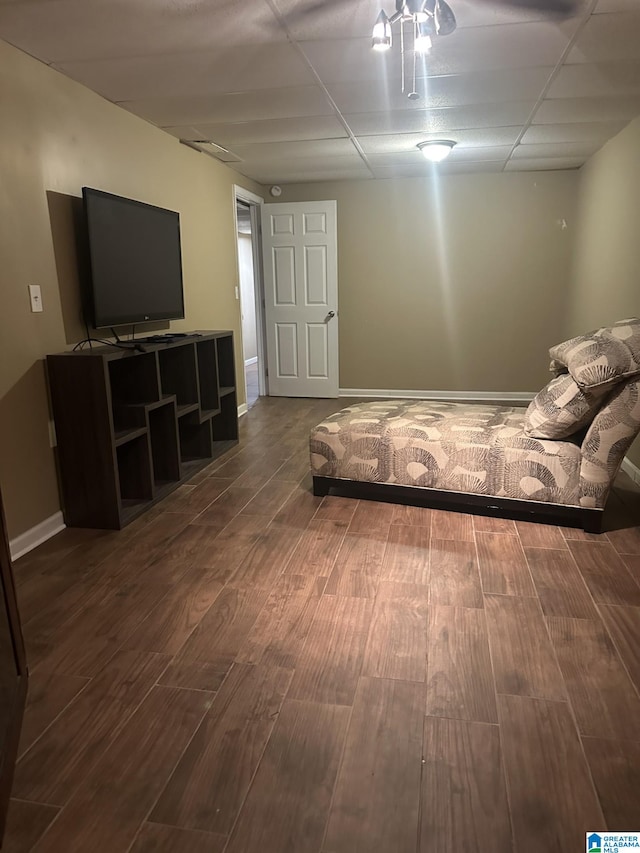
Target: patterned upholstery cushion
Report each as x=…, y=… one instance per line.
x=561, y=408
x=603, y=358
x=459, y=447
x=607, y=440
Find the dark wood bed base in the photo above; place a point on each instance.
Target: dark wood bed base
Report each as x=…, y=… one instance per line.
x=571, y=516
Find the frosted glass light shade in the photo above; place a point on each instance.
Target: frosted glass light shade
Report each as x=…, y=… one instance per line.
x=436, y=150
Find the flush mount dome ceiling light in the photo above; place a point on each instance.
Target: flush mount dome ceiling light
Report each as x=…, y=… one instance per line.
x=436, y=150
x=420, y=21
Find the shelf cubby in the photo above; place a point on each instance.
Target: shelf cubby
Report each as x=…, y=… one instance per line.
x=163, y=435
x=225, y=424
x=134, y=470
x=196, y=441
x=208, y=378
x=226, y=366
x=133, y=378
x=131, y=426
x=178, y=373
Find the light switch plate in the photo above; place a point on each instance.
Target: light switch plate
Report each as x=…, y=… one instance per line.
x=36, y=298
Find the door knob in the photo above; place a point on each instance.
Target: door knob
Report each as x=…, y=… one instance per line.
x=331, y=314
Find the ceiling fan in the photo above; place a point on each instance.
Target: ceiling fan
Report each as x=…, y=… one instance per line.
x=550, y=8
x=439, y=19
x=421, y=20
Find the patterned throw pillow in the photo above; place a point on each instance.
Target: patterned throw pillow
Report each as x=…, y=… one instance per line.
x=561, y=409
x=603, y=358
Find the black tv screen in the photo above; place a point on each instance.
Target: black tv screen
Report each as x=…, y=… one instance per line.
x=135, y=258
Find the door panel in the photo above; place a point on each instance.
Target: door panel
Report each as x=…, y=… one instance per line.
x=287, y=350
x=299, y=243
x=284, y=275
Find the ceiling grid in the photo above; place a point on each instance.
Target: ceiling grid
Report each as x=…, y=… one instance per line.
x=292, y=89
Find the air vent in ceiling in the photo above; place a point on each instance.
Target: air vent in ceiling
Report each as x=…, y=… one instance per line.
x=213, y=149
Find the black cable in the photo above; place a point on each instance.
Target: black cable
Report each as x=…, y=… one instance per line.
x=115, y=334
x=121, y=345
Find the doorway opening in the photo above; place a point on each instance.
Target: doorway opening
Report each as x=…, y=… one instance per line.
x=247, y=212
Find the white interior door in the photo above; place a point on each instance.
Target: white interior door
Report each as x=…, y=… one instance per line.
x=300, y=260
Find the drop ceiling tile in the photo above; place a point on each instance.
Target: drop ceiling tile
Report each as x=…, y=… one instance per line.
x=470, y=50
x=306, y=164
x=481, y=154
x=350, y=59
x=608, y=37
x=544, y=164
x=427, y=170
x=313, y=149
x=449, y=91
x=473, y=166
x=270, y=130
x=66, y=30
x=593, y=80
x=192, y=74
x=391, y=143
x=563, y=110
x=356, y=18
x=556, y=150
x=596, y=131
x=341, y=20
x=243, y=106
x=439, y=120
x=477, y=13
x=458, y=155
x=508, y=46
x=294, y=171
x=605, y=6
x=182, y=131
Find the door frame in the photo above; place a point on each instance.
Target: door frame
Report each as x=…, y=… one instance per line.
x=254, y=202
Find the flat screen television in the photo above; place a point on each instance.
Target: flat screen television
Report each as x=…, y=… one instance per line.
x=135, y=261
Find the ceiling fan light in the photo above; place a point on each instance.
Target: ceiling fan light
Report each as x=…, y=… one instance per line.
x=436, y=150
x=381, y=38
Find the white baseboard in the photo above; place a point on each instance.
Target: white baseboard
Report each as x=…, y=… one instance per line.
x=445, y=396
x=632, y=470
x=249, y=361
x=242, y=409
x=30, y=539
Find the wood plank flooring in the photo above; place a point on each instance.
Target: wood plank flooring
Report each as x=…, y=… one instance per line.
x=249, y=668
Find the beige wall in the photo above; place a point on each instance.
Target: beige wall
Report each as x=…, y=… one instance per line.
x=459, y=283
x=606, y=272
x=452, y=284
x=56, y=137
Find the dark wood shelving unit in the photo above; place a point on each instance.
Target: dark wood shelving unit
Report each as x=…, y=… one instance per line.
x=131, y=426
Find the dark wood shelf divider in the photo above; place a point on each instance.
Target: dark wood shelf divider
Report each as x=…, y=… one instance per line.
x=131, y=426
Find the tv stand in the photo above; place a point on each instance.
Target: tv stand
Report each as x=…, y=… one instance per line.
x=166, y=338
x=132, y=426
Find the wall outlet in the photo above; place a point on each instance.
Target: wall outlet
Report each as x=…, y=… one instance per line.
x=36, y=298
x=53, y=438
x=237, y=294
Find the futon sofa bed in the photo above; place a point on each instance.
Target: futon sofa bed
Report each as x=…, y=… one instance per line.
x=554, y=461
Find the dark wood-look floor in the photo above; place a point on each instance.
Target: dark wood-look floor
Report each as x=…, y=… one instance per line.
x=251, y=669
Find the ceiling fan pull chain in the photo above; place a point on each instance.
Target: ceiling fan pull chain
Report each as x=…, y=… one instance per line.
x=402, y=51
x=414, y=91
